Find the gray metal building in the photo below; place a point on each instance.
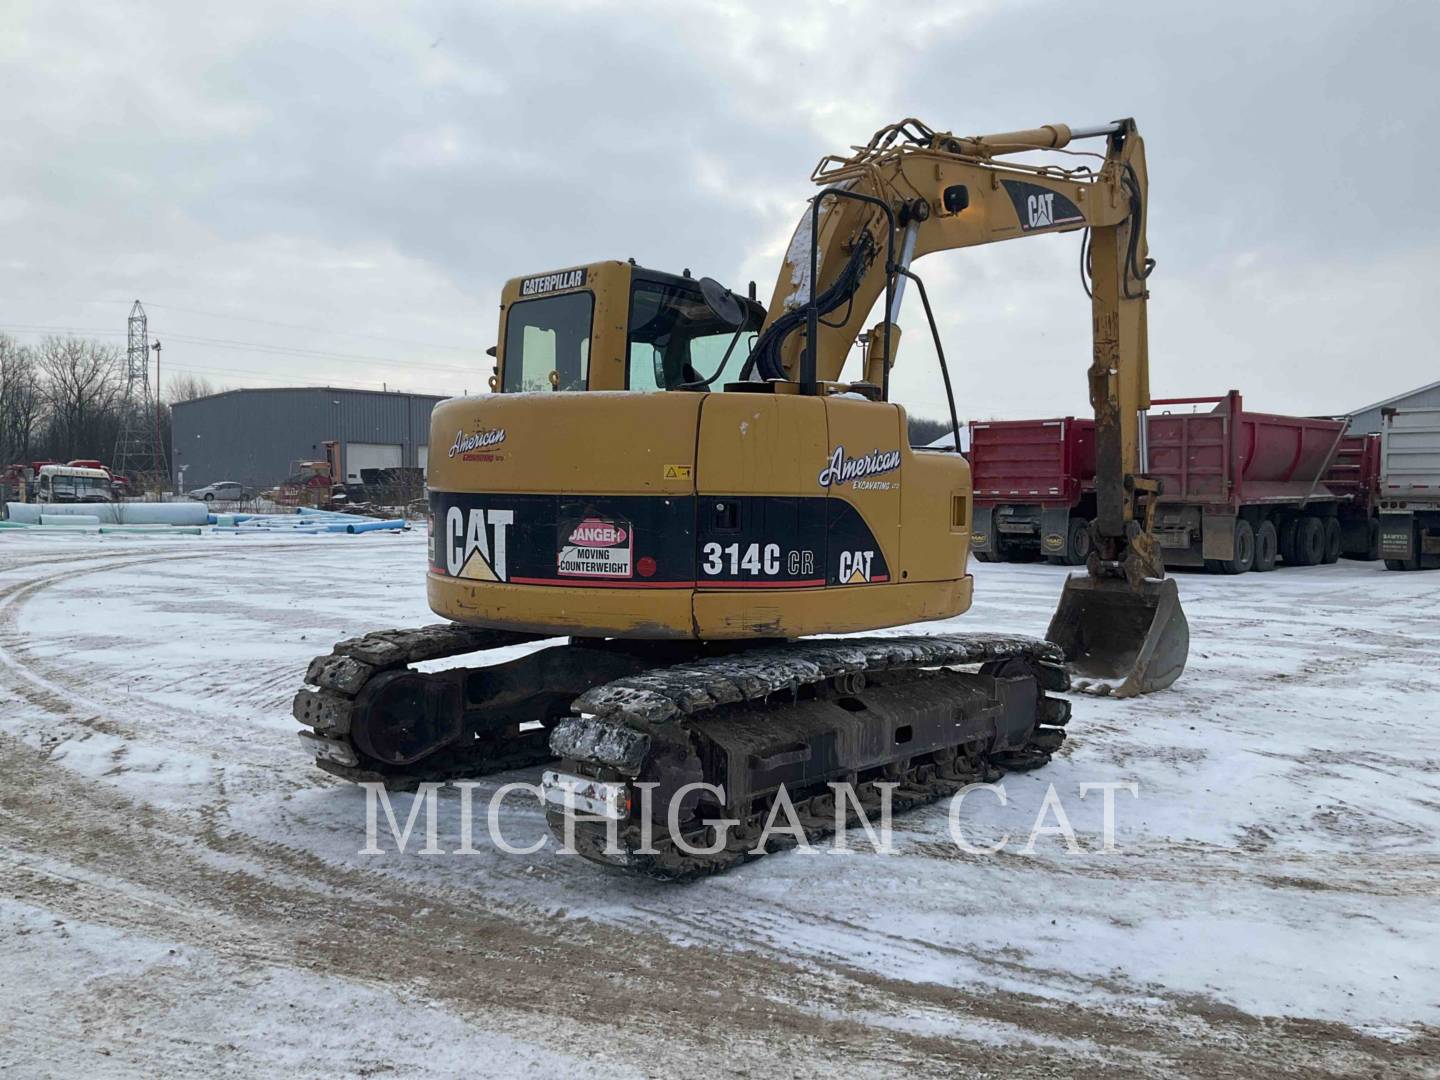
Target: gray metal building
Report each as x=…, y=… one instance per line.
x=1366, y=420
x=255, y=437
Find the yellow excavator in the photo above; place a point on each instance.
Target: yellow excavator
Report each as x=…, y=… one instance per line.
x=684, y=486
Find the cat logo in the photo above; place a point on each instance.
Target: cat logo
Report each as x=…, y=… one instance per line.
x=1039, y=208
x=1042, y=209
x=855, y=567
x=475, y=544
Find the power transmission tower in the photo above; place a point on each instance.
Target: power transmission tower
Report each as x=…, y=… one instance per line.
x=139, y=449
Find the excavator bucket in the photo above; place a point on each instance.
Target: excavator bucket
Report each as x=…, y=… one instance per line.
x=1111, y=631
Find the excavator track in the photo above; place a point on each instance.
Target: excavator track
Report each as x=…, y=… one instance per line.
x=344, y=683
x=374, y=717
x=798, y=716
x=928, y=714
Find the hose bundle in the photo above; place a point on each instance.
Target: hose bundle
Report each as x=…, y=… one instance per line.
x=765, y=356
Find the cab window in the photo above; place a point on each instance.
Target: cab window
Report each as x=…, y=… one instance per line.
x=551, y=334
x=675, y=339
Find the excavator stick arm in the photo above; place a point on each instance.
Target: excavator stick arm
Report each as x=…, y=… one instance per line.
x=940, y=191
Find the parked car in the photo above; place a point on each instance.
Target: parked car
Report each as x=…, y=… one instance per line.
x=220, y=491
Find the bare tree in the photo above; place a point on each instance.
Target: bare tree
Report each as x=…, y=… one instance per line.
x=924, y=431
x=20, y=400
x=187, y=387
x=80, y=390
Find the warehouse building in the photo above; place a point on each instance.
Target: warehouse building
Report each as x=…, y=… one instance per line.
x=257, y=437
x=1366, y=420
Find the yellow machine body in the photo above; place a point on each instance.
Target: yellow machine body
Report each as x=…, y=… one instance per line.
x=666, y=460
x=612, y=512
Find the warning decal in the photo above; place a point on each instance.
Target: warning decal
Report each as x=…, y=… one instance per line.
x=677, y=472
x=597, y=548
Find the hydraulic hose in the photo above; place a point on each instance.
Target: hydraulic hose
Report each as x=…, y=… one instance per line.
x=765, y=356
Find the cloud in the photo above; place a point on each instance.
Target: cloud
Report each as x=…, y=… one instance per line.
x=378, y=171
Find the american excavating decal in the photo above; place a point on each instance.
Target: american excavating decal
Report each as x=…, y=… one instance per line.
x=597, y=548
x=469, y=447
x=475, y=543
x=843, y=469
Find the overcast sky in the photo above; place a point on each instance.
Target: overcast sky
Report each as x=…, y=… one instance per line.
x=335, y=193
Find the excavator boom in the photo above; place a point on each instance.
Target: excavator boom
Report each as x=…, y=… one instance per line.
x=912, y=191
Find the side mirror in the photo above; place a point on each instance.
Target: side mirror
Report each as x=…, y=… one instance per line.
x=721, y=301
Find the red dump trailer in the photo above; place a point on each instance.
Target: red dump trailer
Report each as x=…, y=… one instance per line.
x=1034, y=489
x=1354, y=476
x=1243, y=489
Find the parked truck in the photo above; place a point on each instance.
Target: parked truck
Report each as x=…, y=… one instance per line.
x=1033, y=488
x=73, y=484
x=21, y=479
x=1242, y=490
x=1409, y=496
x=1354, y=477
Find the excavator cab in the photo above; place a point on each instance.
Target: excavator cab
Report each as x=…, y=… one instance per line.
x=618, y=326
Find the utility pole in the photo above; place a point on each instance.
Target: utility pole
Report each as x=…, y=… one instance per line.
x=162, y=456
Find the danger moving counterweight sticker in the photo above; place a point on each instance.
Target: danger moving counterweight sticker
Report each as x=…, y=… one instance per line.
x=597, y=548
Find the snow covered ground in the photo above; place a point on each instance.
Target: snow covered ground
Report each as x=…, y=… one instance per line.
x=181, y=888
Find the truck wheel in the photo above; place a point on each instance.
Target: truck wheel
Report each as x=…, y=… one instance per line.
x=1244, y=558
x=1333, y=540
x=1401, y=564
x=1267, y=542
x=1285, y=539
x=983, y=556
x=1372, y=552
x=1077, y=542
x=1309, y=541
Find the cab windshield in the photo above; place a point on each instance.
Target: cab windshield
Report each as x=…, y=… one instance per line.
x=677, y=341
x=547, y=343
x=76, y=488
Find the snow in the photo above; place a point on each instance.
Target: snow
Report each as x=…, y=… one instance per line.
x=947, y=441
x=1280, y=858
x=124, y=994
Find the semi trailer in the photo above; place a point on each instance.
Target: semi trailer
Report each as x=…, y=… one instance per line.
x=1354, y=476
x=1409, y=491
x=1033, y=489
x=1242, y=490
